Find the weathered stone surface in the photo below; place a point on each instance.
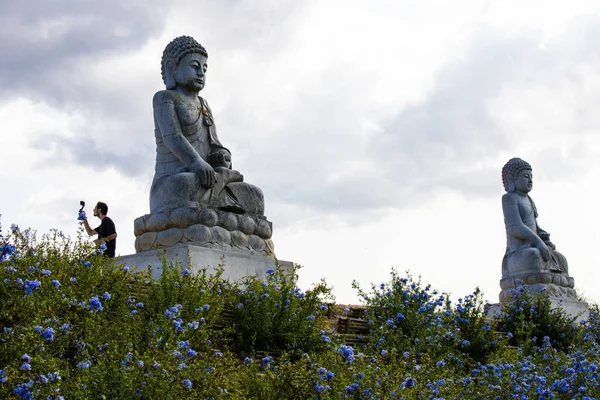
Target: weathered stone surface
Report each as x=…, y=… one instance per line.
x=157, y=222
x=239, y=239
x=264, y=229
x=169, y=237
x=184, y=217
x=145, y=242
x=139, y=227
x=222, y=236
x=209, y=217
x=198, y=234
x=247, y=224
x=229, y=221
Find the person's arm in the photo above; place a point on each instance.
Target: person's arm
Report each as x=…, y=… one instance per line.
x=88, y=228
x=106, y=239
x=515, y=226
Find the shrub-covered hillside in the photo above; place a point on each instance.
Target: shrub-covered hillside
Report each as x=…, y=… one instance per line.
x=76, y=325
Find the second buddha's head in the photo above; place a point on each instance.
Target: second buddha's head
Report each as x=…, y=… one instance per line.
x=517, y=176
x=184, y=63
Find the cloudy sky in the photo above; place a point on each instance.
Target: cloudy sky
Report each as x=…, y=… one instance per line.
x=377, y=130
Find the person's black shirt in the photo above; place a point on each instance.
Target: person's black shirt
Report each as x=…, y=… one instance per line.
x=107, y=228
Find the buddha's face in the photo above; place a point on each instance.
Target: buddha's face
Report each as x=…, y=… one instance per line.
x=190, y=72
x=524, y=181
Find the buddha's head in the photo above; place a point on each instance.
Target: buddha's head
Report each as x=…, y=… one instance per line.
x=184, y=63
x=517, y=175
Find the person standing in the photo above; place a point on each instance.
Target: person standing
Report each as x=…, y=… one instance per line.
x=107, y=233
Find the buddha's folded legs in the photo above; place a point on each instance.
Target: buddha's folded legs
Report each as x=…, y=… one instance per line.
x=175, y=191
x=184, y=190
x=530, y=260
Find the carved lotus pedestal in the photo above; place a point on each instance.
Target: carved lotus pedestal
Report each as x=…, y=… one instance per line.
x=204, y=239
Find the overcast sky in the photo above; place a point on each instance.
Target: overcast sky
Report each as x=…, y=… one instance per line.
x=377, y=130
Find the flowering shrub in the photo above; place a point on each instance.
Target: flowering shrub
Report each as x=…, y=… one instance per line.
x=74, y=324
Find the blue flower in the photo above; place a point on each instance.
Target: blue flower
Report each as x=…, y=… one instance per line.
x=84, y=364
x=48, y=334
x=26, y=357
x=330, y=375
x=400, y=317
x=25, y=367
x=31, y=285
x=185, y=273
x=46, y=272
x=73, y=279
x=347, y=353
x=192, y=353
x=319, y=388
x=311, y=317
x=82, y=216
x=193, y=325
x=219, y=354
x=182, y=366
x=270, y=271
x=186, y=383
x=206, y=307
x=22, y=390
x=106, y=296
x=55, y=283
x=37, y=328
x=265, y=362
x=95, y=305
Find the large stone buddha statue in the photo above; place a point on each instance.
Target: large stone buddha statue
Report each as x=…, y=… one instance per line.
x=196, y=196
x=530, y=257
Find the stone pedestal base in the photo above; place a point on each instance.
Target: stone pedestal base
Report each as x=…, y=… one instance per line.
x=573, y=308
x=237, y=264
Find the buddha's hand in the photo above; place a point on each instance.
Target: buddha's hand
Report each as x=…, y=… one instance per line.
x=544, y=250
x=205, y=173
x=218, y=159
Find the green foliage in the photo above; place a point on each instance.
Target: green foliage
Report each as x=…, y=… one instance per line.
x=530, y=320
x=114, y=333
x=276, y=315
x=407, y=316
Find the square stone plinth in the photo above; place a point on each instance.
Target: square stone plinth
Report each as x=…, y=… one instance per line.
x=237, y=264
x=573, y=308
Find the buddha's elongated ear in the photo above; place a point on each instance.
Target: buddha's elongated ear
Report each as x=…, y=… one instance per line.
x=511, y=186
x=170, y=81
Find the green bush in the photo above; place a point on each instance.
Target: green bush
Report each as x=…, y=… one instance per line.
x=76, y=325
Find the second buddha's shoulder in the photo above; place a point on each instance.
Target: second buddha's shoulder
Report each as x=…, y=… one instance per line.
x=165, y=96
x=511, y=198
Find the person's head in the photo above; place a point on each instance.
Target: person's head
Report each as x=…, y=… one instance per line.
x=100, y=209
x=517, y=175
x=184, y=63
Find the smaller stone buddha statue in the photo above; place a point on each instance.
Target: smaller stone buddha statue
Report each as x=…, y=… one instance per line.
x=196, y=197
x=530, y=258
